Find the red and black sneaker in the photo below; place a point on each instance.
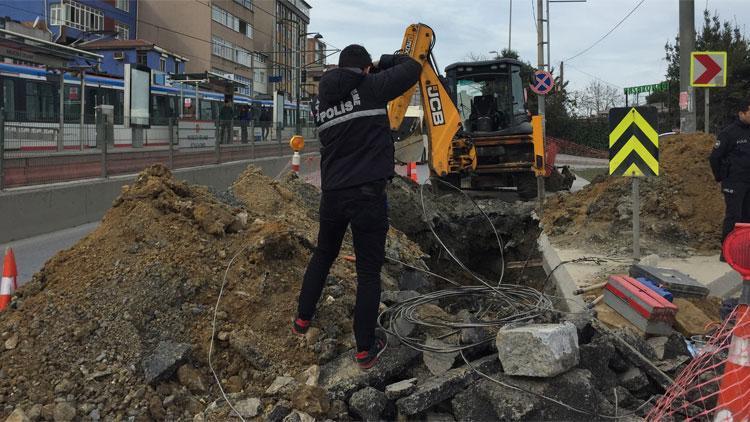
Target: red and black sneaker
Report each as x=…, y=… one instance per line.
x=300, y=326
x=368, y=358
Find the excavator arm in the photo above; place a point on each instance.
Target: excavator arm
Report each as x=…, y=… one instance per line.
x=448, y=153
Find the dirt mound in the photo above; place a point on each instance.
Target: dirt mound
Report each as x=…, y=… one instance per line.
x=89, y=334
x=681, y=210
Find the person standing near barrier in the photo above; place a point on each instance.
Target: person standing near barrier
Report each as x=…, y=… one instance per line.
x=357, y=159
x=730, y=163
x=225, y=122
x=265, y=122
x=245, y=117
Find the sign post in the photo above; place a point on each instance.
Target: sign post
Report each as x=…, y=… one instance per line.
x=634, y=152
x=708, y=70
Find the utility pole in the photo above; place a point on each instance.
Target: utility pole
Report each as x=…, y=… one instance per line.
x=687, y=45
x=541, y=64
x=510, y=24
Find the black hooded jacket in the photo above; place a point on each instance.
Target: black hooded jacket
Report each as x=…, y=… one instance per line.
x=730, y=159
x=350, y=113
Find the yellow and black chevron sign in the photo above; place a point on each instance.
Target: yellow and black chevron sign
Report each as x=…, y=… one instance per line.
x=633, y=142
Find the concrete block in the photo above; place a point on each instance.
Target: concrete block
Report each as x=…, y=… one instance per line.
x=342, y=377
x=440, y=388
x=538, y=350
x=728, y=285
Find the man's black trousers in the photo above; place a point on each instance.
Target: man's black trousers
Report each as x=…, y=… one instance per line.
x=737, y=200
x=366, y=209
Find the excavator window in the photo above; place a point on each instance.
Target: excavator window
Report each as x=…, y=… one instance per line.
x=488, y=95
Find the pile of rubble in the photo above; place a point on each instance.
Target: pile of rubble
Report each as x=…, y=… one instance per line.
x=120, y=326
x=680, y=210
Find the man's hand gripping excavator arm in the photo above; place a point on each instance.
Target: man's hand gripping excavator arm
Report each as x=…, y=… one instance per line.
x=448, y=153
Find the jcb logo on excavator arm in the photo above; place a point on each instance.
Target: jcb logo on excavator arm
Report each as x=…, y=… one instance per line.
x=436, y=106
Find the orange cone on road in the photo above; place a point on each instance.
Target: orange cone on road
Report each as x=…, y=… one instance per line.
x=411, y=172
x=9, y=282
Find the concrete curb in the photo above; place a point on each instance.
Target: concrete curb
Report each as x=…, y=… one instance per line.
x=564, y=283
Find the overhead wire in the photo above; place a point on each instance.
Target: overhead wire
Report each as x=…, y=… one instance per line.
x=587, y=49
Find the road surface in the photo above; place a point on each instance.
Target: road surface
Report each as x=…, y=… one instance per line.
x=33, y=252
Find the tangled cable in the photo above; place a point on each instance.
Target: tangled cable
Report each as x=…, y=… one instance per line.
x=499, y=306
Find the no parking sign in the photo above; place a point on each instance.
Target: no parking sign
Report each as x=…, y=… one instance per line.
x=543, y=82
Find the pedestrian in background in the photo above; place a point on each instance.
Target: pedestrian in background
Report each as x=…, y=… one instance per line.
x=730, y=163
x=265, y=122
x=245, y=117
x=226, y=116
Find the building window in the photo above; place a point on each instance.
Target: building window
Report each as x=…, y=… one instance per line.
x=248, y=4
x=162, y=64
x=56, y=16
x=123, y=5
x=225, y=18
x=142, y=58
x=247, y=89
x=246, y=29
x=229, y=51
x=222, y=48
x=123, y=31
x=77, y=15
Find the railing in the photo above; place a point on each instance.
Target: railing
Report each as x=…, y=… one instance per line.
x=35, y=151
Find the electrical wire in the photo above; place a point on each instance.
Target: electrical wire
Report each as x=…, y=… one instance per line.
x=584, y=51
x=213, y=332
x=501, y=306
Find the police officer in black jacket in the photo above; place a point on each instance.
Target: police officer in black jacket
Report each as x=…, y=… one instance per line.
x=730, y=163
x=356, y=163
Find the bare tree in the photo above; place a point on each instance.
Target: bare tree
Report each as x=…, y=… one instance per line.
x=597, y=98
x=475, y=57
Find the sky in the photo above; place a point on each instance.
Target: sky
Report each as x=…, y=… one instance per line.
x=632, y=55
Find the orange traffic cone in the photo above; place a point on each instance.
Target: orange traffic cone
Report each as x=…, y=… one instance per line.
x=411, y=172
x=9, y=282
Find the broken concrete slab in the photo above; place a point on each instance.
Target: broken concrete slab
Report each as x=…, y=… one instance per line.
x=728, y=285
x=438, y=363
x=669, y=347
x=399, y=389
x=440, y=388
x=413, y=280
x=596, y=357
x=389, y=297
x=342, y=377
x=281, y=385
x=488, y=400
x=368, y=404
x=164, y=361
x=633, y=379
x=538, y=350
x=637, y=358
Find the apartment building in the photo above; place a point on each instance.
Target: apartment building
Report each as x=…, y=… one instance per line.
x=315, y=64
x=292, y=19
x=75, y=21
x=229, y=37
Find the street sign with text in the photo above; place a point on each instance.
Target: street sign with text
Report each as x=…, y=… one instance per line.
x=661, y=86
x=708, y=69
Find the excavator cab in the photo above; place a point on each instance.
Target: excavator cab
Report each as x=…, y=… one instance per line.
x=477, y=130
x=489, y=96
